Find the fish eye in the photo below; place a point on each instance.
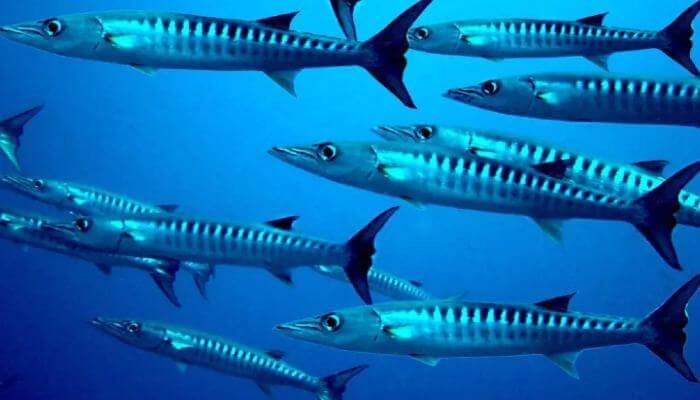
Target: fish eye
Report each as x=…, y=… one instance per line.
x=327, y=152
x=83, y=225
x=490, y=88
x=38, y=183
x=424, y=132
x=133, y=327
x=422, y=33
x=53, y=27
x=331, y=322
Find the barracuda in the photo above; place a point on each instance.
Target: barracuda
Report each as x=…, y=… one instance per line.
x=190, y=348
x=382, y=282
x=80, y=199
x=436, y=175
x=30, y=230
x=150, y=41
x=588, y=99
x=11, y=131
x=624, y=180
x=272, y=245
x=518, y=38
x=431, y=330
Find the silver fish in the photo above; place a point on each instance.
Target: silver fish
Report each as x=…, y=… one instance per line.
x=431, y=330
x=190, y=348
x=436, y=175
x=272, y=246
x=11, y=131
x=625, y=180
x=381, y=282
x=81, y=199
x=149, y=41
x=586, y=98
x=587, y=37
x=30, y=230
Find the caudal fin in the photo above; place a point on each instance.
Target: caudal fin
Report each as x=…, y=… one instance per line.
x=667, y=324
x=344, y=11
x=389, y=47
x=658, y=208
x=334, y=386
x=679, y=36
x=14, y=127
x=362, y=249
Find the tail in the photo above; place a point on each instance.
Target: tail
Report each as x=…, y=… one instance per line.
x=362, y=249
x=334, y=386
x=165, y=280
x=344, y=10
x=14, y=127
x=679, y=36
x=389, y=47
x=667, y=324
x=658, y=208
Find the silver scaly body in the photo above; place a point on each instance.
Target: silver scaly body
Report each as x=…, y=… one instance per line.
x=382, y=282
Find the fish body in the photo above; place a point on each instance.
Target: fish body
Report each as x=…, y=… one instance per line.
x=190, y=348
x=623, y=180
x=269, y=246
x=11, y=131
x=435, y=329
x=80, y=199
x=587, y=37
x=441, y=176
x=150, y=41
x=584, y=98
x=382, y=282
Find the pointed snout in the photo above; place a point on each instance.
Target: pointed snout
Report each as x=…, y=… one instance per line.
x=18, y=182
x=465, y=95
x=298, y=328
x=107, y=325
x=18, y=30
x=291, y=153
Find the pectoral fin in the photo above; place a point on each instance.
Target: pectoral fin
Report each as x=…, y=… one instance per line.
x=429, y=361
x=285, y=79
x=567, y=362
x=394, y=173
x=121, y=41
x=398, y=332
x=179, y=346
x=600, y=61
x=552, y=227
x=548, y=97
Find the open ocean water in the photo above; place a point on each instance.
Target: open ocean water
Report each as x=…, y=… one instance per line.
x=200, y=140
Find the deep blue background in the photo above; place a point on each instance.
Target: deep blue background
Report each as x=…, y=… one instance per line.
x=200, y=139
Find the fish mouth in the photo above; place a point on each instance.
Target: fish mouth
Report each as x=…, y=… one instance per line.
x=21, y=30
x=20, y=183
x=465, y=95
x=299, y=327
x=291, y=153
x=107, y=325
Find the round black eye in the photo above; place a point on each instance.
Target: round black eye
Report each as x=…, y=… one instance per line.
x=425, y=132
x=53, y=27
x=328, y=152
x=38, y=184
x=133, y=328
x=490, y=88
x=422, y=33
x=331, y=322
x=83, y=225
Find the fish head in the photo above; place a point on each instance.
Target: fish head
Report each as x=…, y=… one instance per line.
x=95, y=233
x=71, y=35
x=146, y=336
x=508, y=95
x=348, y=163
x=43, y=190
x=427, y=134
x=439, y=38
x=355, y=329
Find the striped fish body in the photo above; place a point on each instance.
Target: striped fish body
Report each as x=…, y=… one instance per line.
x=381, y=282
x=515, y=38
x=212, y=242
x=461, y=329
x=436, y=175
x=623, y=180
x=180, y=41
x=197, y=349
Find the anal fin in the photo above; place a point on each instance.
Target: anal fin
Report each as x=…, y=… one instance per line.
x=601, y=61
x=567, y=362
x=286, y=79
x=552, y=227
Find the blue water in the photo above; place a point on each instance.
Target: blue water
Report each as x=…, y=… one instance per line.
x=199, y=139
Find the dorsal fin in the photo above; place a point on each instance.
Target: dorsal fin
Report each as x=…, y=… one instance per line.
x=656, y=167
x=416, y=283
x=560, y=304
x=285, y=224
x=596, y=20
x=276, y=354
x=283, y=21
x=169, y=208
x=556, y=169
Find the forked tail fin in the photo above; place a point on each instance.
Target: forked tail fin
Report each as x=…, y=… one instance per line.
x=14, y=127
x=679, y=36
x=668, y=323
x=334, y=386
x=389, y=47
x=362, y=250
